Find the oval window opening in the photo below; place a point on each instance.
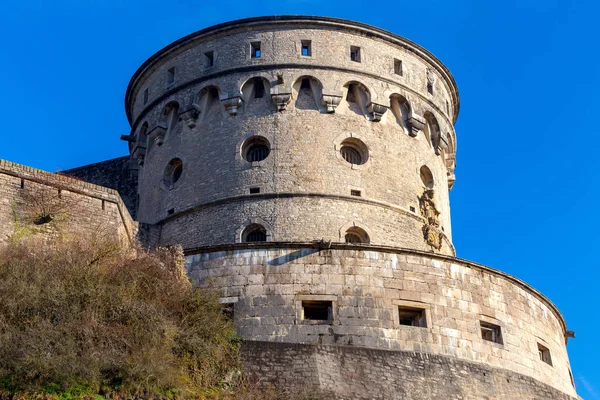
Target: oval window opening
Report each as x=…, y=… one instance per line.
x=256, y=149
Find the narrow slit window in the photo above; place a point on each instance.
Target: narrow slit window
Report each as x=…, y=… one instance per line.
x=397, y=66
x=544, y=354
x=429, y=87
x=171, y=75
x=355, y=193
x=171, y=211
x=255, y=51
x=412, y=316
x=254, y=190
x=259, y=89
x=317, y=310
x=355, y=54
x=491, y=332
x=145, y=96
x=306, y=48
x=210, y=58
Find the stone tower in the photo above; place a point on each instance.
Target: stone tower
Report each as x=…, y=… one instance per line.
x=304, y=164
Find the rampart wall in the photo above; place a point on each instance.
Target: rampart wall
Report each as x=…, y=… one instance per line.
x=369, y=286
x=74, y=206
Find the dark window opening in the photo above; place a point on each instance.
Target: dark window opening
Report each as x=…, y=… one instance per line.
x=411, y=316
x=355, y=53
x=398, y=67
x=254, y=190
x=317, y=310
x=351, y=155
x=173, y=173
x=429, y=87
x=177, y=172
x=210, y=58
x=355, y=193
x=171, y=75
x=255, y=50
x=259, y=89
x=145, y=96
x=228, y=310
x=352, y=238
x=22, y=183
x=544, y=354
x=412, y=209
x=171, y=211
x=60, y=193
x=103, y=205
x=447, y=107
x=254, y=233
x=305, y=84
x=306, y=48
x=491, y=332
x=256, y=149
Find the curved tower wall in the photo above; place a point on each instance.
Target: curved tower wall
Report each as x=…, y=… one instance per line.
x=305, y=185
x=195, y=108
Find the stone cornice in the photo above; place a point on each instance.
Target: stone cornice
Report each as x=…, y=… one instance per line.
x=384, y=249
x=289, y=20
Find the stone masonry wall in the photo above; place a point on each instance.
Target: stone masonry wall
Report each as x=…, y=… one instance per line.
x=304, y=139
x=77, y=207
x=113, y=174
x=367, y=374
x=368, y=285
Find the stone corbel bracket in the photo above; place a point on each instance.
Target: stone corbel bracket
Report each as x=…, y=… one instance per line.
x=416, y=124
x=331, y=101
x=158, y=134
x=281, y=96
x=450, y=165
x=377, y=110
x=232, y=104
x=190, y=116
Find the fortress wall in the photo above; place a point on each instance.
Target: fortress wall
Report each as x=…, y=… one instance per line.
x=112, y=174
x=80, y=208
x=301, y=218
x=368, y=374
x=367, y=287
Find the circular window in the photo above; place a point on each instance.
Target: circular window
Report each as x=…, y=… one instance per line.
x=254, y=233
x=426, y=177
x=354, y=151
x=172, y=173
x=255, y=149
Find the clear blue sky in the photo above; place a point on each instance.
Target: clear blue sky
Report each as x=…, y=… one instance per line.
x=526, y=196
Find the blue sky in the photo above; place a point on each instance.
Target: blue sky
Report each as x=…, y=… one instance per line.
x=526, y=196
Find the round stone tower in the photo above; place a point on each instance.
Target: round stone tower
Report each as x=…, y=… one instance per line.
x=304, y=164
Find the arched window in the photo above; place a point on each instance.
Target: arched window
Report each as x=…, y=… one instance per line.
x=173, y=172
x=358, y=98
x=432, y=131
x=356, y=235
x=254, y=93
x=209, y=103
x=254, y=233
x=308, y=93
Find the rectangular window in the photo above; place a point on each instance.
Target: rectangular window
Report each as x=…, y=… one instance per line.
x=412, y=316
x=544, y=354
x=317, y=310
x=254, y=190
x=430, y=87
x=171, y=75
x=210, y=58
x=355, y=54
x=255, y=50
x=171, y=211
x=491, y=332
x=355, y=193
x=306, y=48
x=397, y=66
x=145, y=96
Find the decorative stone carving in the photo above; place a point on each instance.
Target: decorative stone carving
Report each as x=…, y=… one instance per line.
x=190, y=116
x=331, y=101
x=431, y=230
x=377, y=110
x=416, y=123
x=430, y=77
x=158, y=134
x=232, y=104
x=281, y=96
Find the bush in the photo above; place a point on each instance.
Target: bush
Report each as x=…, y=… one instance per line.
x=86, y=316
